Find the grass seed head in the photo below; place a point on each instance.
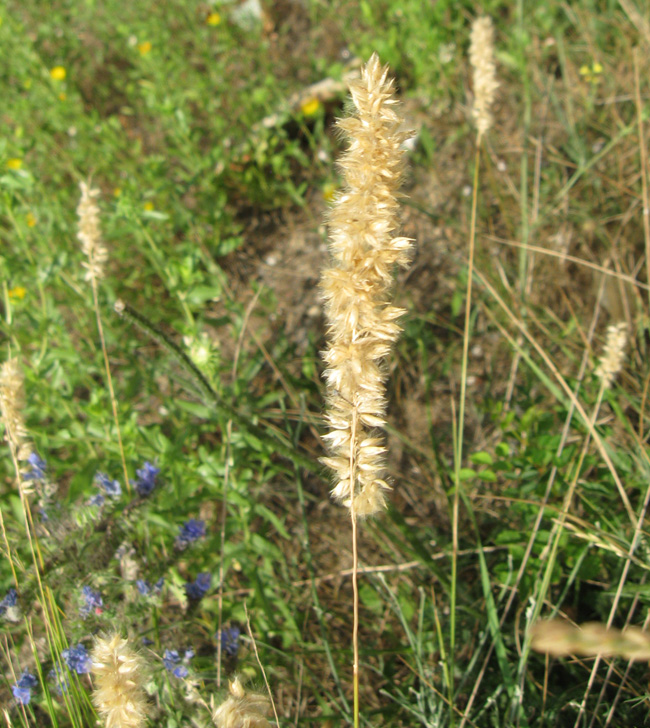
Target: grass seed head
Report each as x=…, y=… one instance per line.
x=362, y=324
x=119, y=683
x=481, y=57
x=89, y=234
x=613, y=356
x=12, y=404
x=242, y=709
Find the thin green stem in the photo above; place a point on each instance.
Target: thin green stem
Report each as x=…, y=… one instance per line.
x=461, y=422
x=109, y=382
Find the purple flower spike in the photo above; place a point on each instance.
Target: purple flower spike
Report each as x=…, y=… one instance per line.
x=190, y=531
x=112, y=488
x=37, y=471
x=197, y=589
x=146, y=482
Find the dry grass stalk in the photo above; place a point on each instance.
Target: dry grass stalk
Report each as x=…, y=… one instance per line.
x=613, y=356
x=559, y=638
x=119, y=683
x=242, y=709
x=362, y=324
x=481, y=57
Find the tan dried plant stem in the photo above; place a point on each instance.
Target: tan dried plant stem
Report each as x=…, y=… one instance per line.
x=361, y=321
x=481, y=56
x=89, y=236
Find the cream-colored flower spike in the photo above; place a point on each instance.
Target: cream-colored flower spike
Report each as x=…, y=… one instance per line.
x=362, y=323
x=119, y=694
x=242, y=709
x=558, y=638
x=613, y=356
x=89, y=234
x=481, y=57
x=12, y=404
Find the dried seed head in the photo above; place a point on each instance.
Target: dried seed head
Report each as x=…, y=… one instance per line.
x=89, y=234
x=558, y=638
x=481, y=57
x=119, y=683
x=613, y=356
x=242, y=709
x=12, y=404
x=362, y=324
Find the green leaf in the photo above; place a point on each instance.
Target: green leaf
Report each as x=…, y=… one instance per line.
x=481, y=458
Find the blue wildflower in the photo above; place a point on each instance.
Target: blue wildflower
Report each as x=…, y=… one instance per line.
x=197, y=589
x=10, y=600
x=146, y=482
x=96, y=500
x=37, y=471
x=22, y=690
x=93, y=602
x=190, y=531
x=171, y=658
x=229, y=640
x=146, y=641
x=145, y=588
x=77, y=659
x=60, y=679
x=112, y=488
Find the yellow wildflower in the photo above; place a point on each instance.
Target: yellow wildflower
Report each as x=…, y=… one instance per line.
x=58, y=73
x=117, y=191
x=148, y=206
x=14, y=164
x=144, y=47
x=30, y=219
x=592, y=73
x=18, y=292
x=213, y=19
x=310, y=106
